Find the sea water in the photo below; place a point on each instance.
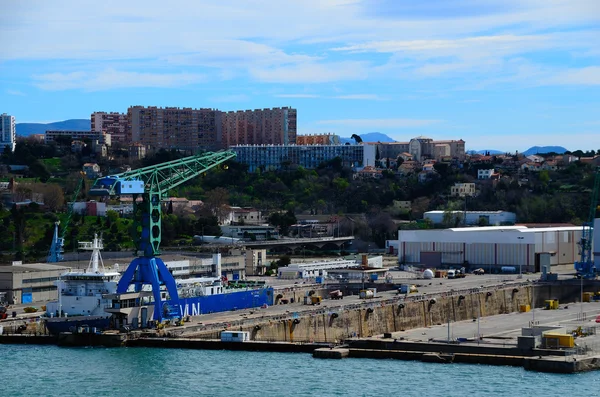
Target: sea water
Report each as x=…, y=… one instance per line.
x=132, y=372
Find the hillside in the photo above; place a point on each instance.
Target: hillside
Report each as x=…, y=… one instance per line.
x=26, y=129
x=544, y=149
x=369, y=137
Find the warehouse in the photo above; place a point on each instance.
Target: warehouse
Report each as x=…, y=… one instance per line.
x=492, y=247
x=30, y=283
x=471, y=217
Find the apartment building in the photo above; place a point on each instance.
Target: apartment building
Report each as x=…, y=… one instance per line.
x=174, y=128
x=8, y=132
x=463, y=189
x=276, y=126
x=112, y=123
x=102, y=138
x=422, y=148
x=197, y=129
x=318, y=139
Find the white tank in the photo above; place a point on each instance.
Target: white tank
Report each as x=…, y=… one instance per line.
x=428, y=274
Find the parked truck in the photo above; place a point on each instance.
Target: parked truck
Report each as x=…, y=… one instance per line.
x=337, y=294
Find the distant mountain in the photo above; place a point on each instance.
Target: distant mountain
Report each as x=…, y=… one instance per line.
x=490, y=151
x=26, y=129
x=544, y=149
x=369, y=137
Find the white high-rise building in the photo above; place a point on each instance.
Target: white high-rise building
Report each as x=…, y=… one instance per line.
x=8, y=132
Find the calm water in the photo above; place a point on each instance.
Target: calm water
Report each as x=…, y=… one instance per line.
x=53, y=371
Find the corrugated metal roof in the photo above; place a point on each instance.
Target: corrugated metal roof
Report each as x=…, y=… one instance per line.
x=486, y=228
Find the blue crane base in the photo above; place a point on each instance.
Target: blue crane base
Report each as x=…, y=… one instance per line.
x=152, y=271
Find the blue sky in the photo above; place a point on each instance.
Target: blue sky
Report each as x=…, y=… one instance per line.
x=500, y=74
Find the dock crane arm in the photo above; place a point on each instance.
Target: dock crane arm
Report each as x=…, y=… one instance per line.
x=149, y=186
x=152, y=184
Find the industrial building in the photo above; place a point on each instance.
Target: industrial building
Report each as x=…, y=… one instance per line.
x=321, y=268
x=492, y=218
x=30, y=283
x=490, y=248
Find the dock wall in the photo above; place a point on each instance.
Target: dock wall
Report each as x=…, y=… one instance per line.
x=376, y=317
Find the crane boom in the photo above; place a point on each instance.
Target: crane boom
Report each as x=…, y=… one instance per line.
x=149, y=186
x=153, y=183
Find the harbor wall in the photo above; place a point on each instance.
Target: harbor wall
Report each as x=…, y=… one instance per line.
x=376, y=317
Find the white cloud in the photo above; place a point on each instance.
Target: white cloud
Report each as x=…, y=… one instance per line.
x=15, y=92
x=297, y=96
x=313, y=72
x=110, y=78
x=366, y=97
x=378, y=123
x=584, y=76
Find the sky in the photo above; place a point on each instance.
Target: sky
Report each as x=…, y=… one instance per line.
x=500, y=74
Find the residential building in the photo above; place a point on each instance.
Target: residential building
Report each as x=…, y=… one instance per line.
x=256, y=261
x=534, y=158
x=462, y=190
x=485, y=174
x=196, y=129
x=369, y=172
x=8, y=132
x=318, y=139
x=174, y=128
x=137, y=151
x=51, y=136
x=91, y=170
x=112, y=123
x=422, y=148
x=274, y=157
x=276, y=126
x=243, y=216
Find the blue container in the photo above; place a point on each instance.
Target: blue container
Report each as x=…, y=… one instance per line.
x=319, y=280
x=374, y=277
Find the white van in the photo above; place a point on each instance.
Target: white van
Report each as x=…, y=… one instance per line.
x=451, y=273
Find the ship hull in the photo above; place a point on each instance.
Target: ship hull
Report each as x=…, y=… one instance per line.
x=195, y=306
x=56, y=325
x=225, y=302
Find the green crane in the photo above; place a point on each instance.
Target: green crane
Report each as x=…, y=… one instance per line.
x=149, y=187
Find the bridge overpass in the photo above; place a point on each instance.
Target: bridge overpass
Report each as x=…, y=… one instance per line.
x=295, y=243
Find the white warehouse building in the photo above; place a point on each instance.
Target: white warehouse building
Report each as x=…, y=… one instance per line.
x=494, y=218
x=490, y=247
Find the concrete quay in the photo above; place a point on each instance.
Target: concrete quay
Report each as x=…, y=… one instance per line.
x=492, y=340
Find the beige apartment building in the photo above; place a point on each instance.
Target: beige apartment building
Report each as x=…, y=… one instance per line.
x=318, y=139
x=112, y=123
x=195, y=129
x=276, y=126
x=174, y=128
x=463, y=189
x=423, y=148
